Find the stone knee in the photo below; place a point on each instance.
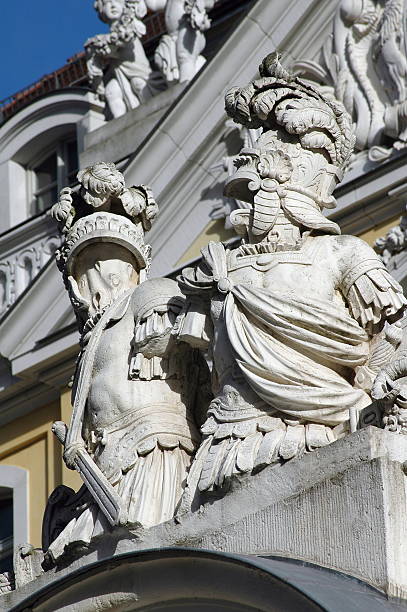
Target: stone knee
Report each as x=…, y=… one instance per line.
x=114, y=98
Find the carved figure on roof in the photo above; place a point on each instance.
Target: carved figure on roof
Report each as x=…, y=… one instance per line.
x=118, y=68
x=133, y=431
x=365, y=66
x=298, y=318
x=179, y=53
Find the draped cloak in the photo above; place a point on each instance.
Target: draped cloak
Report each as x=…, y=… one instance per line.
x=298, y=355
x=288, y=351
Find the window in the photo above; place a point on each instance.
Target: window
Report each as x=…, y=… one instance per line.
x=6, y=529
x=46, y=183
x=56, y=169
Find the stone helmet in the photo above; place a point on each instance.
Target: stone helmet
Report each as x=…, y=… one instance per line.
x=306, y=142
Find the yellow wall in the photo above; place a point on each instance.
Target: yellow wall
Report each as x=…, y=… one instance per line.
x=215, y=230
x=29, y=443
x=379, y=230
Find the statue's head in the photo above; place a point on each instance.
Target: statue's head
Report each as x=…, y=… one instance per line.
x=104, y=253
x=110, y=10
x=299, y=158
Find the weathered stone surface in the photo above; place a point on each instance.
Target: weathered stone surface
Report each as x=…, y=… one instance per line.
x=298, y=319
x=341, y=507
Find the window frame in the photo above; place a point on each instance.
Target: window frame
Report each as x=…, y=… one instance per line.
x=60, y=148
x=17, y=479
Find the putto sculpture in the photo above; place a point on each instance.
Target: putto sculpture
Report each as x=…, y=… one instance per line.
x=298, y=319
x=133, y=429
x=179, y=52
x=118, y=68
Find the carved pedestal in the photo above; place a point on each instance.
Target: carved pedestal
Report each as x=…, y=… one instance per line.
x=343, y=507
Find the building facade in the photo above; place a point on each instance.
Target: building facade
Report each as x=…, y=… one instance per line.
x=182, y=145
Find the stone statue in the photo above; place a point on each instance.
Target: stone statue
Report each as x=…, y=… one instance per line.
x=133, y=431
x=364, y=65
x=179, y=52
x=298, y=319
x=118, y=68
x=395, y=241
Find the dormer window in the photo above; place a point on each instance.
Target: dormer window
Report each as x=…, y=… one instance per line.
x=45, y=183
x=57, y=168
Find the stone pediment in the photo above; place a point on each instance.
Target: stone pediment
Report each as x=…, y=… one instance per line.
x=39, y=329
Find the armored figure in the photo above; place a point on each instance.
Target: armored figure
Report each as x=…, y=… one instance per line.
x=132, y=432
x=299, y=319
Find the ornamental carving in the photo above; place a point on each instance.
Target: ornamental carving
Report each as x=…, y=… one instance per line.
x=301, y=327
x=363, y=65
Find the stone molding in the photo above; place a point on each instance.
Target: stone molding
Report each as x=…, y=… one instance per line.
x=287, y=511
x=24, y=251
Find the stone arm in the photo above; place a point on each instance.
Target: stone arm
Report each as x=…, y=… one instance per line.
x=97, y=49
x=155, y=305
x=158, y=353
x=198, y=285
x=376, y=301
x=373, y=296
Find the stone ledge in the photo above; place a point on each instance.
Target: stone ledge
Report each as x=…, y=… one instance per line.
x=342, y=507
x=120, y=137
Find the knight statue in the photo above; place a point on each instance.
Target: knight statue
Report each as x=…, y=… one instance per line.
x=298, y=319
x=132, y=431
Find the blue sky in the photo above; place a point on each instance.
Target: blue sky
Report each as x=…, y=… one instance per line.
x=38, y=36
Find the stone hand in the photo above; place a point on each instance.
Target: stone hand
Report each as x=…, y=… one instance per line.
x=71, y=452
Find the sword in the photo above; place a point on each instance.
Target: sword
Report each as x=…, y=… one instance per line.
x=96, y=482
